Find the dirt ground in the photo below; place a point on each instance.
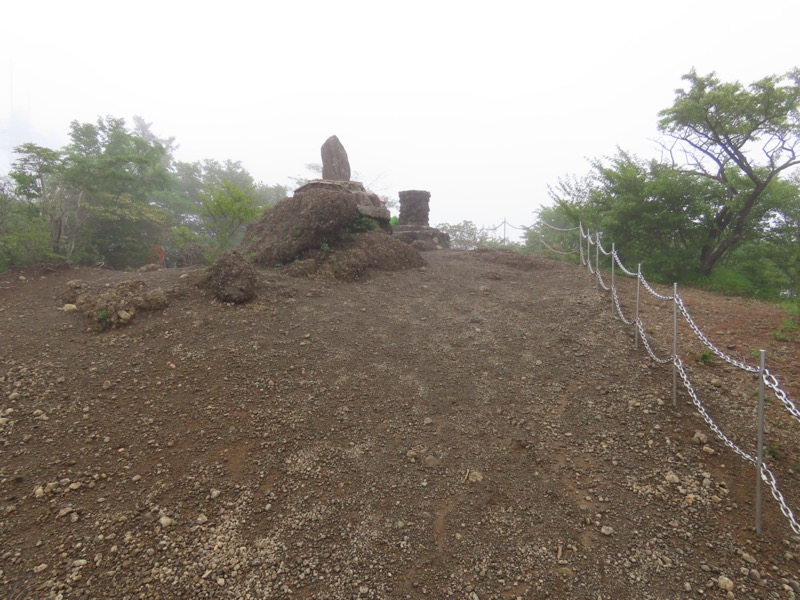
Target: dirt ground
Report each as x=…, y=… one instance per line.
x=481, y=427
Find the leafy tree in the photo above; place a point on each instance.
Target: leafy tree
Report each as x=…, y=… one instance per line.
x=226, y=209
x=739, y=139
x=121, y=175
x=467, y=236
x=23, y=234
x=39, y=173
x=193, y=180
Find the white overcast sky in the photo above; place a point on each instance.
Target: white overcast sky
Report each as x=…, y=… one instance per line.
x=484, y=104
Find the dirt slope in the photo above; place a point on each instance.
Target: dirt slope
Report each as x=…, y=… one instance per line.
x=480, y=427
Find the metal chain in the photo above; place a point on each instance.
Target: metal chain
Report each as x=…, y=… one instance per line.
x=709, y=345
x=599, y=245
x=621, y=266
x=652, y=291
x=554, y=250
x=766, y=475
x=769, y=380
x=662, y=361
x=619, y=309
x=600, y=280
x=558, y=228
x=703, y=413
x=526, y=228
x=769, y=478
x=772, y=383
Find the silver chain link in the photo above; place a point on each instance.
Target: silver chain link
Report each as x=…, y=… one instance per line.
x=769, y=380
x=707, y=342
x=651, y=291
x=647, y=347
x=772, y=383
x=621, y=266
x=600, y=280
x=766, y=474
x=769, y=478
x=546, y=245
x=600, y=246
x=619, y=309
x=546, y=224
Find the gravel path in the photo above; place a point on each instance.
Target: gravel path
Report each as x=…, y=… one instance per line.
x=478, y=428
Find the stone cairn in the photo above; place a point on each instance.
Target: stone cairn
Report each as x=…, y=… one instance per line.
x=412, y=224
x=336, y=177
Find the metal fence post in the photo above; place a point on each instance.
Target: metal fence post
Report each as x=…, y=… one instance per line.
x=597, y=259
x=760, y=443
x=674, y=344
x=613, y=254
x=638, y=288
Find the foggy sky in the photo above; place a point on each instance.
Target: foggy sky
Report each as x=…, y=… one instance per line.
x=482, y=104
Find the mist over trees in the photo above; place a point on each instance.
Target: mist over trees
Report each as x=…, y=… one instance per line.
x=116, y=195
x=720, y=208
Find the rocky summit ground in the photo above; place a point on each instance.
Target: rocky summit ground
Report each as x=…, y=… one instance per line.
x=480, y=427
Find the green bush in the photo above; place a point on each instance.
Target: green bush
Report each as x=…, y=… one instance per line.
x=361, y=224
x=728, y=281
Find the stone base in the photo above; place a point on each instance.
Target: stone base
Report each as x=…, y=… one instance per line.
x=422, y=238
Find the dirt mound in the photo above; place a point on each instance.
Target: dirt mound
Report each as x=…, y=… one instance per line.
x=232, y=279
x=303, y=222
x=114, y=306
x=326, y=230
x=350, y=260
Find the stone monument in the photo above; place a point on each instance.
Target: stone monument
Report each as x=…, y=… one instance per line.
x=412, y=224
x=335, y=164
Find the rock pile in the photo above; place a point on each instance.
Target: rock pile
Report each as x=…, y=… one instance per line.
x=232, y=279
x=316, y=216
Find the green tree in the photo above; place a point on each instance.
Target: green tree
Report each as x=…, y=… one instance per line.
x=23, y=233
x=739, y=139
x=39, y=174
x=226, y=209
x=121, y=175
x=466, y=235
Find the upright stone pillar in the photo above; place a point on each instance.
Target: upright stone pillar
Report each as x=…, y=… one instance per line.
x=412, y=224
x=415, y=206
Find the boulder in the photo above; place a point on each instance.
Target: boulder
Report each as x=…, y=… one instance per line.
x=232, y=279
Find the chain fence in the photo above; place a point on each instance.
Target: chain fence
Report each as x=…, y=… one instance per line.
x=679, y=309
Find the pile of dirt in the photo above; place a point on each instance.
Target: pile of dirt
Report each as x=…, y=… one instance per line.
x=328, y=229
x=232, y=279
x=117, y=305
x=350, y=260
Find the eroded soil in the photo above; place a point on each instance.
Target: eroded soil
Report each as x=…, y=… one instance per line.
x=481, y=427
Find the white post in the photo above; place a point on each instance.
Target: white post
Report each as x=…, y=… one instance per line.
x=760, y=443
x=674, y=344
x=597, y=259
x=613, y=254
x=638, y=287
